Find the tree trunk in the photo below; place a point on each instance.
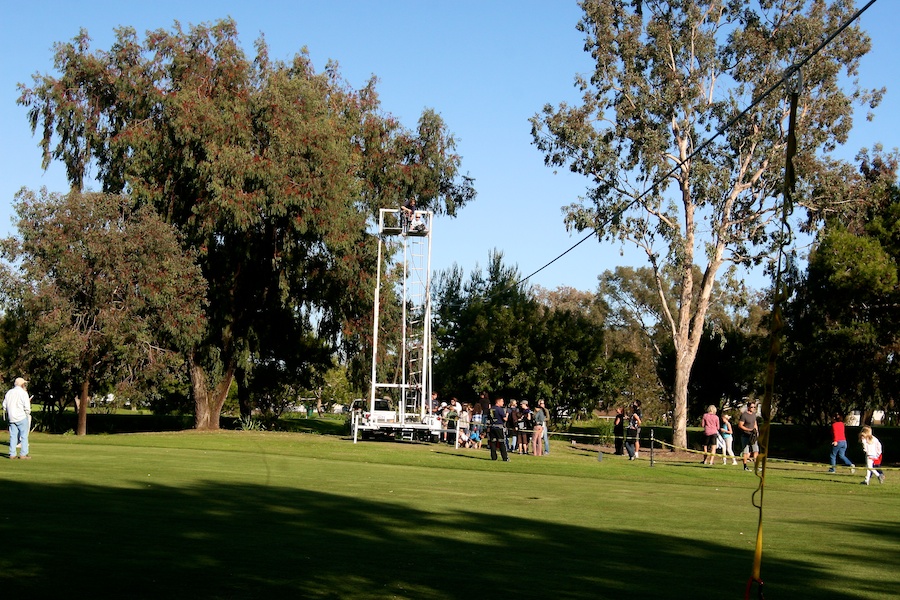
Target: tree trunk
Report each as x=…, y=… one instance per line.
x=81, y=428
x=679, y=417
x=686, y=336
x=208, y=403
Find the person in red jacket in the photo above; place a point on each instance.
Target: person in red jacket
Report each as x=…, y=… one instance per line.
x=839, y=443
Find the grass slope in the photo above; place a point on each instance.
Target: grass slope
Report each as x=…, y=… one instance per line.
x=268, y=515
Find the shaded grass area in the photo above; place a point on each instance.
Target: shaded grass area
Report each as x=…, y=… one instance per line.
x=262, y=515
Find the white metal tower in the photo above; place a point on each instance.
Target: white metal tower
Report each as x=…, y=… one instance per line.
x=406, y=374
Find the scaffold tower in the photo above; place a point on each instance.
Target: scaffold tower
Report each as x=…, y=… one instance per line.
x=404, y=351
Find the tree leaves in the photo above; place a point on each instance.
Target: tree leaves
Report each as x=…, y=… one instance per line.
x=671, y=168
x=109, y=288
x=270, y=171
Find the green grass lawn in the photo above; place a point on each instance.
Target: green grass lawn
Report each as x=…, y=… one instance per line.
x=272, y=515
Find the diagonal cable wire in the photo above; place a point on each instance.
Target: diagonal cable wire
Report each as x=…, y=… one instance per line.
x=731, y=122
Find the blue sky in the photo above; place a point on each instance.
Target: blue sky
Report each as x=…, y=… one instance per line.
x=485, y=65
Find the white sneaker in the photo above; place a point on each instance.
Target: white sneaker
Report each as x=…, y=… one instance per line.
x=881, y=478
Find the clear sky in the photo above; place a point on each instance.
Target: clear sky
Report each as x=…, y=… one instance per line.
x=485, y=65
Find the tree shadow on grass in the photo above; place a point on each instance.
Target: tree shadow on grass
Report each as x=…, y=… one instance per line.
x=246, y=541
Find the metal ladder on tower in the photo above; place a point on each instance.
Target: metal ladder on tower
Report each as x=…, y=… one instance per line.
x=417, y=288
x=409, y=390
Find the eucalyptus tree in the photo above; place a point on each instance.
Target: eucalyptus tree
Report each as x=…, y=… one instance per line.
x=729, y=357
x=270, y=171
x=675, y=166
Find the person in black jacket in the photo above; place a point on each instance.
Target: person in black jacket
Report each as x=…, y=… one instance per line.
x=619, y=431
x=497, y=429
x=524, y=426
x=512, y=417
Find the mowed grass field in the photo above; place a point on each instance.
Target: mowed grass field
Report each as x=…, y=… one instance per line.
x=270, y=515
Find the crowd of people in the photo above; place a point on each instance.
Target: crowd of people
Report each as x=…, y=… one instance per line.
x=719, y=435
x=523, y=429
x=519, y=428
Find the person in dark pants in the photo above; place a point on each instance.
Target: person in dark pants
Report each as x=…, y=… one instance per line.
x=497, y=432
x=619, y=431
x=632, y=433
x=839, y=443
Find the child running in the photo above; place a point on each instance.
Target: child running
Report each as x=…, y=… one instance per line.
x=872, y=448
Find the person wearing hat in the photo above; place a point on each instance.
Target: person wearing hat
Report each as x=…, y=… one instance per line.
x=17, y=407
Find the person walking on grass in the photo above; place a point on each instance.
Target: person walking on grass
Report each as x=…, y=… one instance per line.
x=839, y=443
x=631, y=434
x=710, y=423
x=749, y=435
x=636, y=410
x=872, y=447
x=727, y=432
x=17, y=407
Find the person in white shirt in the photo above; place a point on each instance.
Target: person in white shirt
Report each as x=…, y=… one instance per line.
x=872, y=447
x=17, y=406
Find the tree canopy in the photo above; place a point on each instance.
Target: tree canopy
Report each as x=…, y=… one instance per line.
x=683, y=147
x=843, y=329
x=107, y=295
x=498, y=336
x=270, y=171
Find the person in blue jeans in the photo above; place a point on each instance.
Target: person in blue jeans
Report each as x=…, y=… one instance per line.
x=839, y=443
x=17, y=406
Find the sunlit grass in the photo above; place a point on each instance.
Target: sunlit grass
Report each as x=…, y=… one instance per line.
x=267, y=515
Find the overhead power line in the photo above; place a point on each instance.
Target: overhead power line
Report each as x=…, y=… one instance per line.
x=789, y=73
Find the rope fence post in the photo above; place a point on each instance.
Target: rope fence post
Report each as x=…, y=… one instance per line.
x=652, y=444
